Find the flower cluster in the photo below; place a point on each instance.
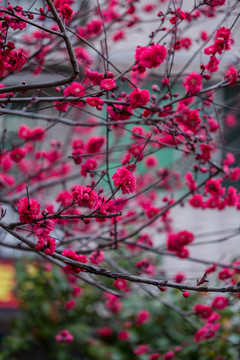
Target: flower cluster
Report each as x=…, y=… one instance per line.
x=177, y=242
x=112, y=303
x=96, y=257
x=204, y=311
x=95, y=102
x=36, y=134
x=64, y=336
x=142, y=317
x=190, y=119
x=193, y=83
x=66, y=12
x=71, y=269
x=76, y=90
x=223, y=41
x=17, y=154
x=11, y=61
x=139, y=98
x=85, y=196
x=212, y=65
x=93, y=28
x=47, y=243
x=124, y=178
x=88, y=166
x=150, y=56
x=28, y=210
x=44, y=227
x=108, y=84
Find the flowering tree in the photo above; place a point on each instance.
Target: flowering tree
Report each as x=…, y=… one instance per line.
x=87, y=190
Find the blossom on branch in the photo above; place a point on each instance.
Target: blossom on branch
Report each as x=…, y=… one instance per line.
x=150, y=57
x=138, y=98
x=28, y=210
x=124, y=178
x=85, y=196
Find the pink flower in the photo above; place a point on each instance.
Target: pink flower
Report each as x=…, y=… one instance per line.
x=95, y=101
x=196, y=201
x=76, y=90
x=119, y=35
x=169, y=355
x=43, y=228
x=77, y=291
x=231, y=120
x=151, y=161
x=235, y=174
x=105, y=331
x=65, y=198
x=38, y=133
x=64, y=336
x=213, y=124
x=17, y=154
x=126, y=159
x=14, y=23
x=85, y=196
x=70, y=304
x=71, y=269
x=139, y=98
x=213, y=187
x=212, y=65
x=190, y=182
x=220, y=302
x=141, y=349
x=108, y=84
x=77, y=158
x=123, y=335
x=225, y=274
x=232, y=74
x=211, y=269
x=94, y=27
x=124, y=178
x=223, y=41
x=94, y=144
x=78, y=143
x=66, y=12
x=88, y=166
x=154, y=356
x=204, y=311
x=149, y=7
x=179, y=277
x=177, y=243
x=145, y=266
x=24, y=132
x=208, y=331
x=217, y=2
x=189, y=118
x=96, y=257
x=112, y=303
x=151, y=57
x=82, y=56
x=95, y=77
x=142, y=317
x=229, y=159
x=61, y=106
x=186, y=42
x=121, y=284
x=46, y=243
x=28, y=210
x=205, y=152
x=193, y=83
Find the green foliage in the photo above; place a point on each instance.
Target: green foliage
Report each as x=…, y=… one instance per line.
x=43, y=294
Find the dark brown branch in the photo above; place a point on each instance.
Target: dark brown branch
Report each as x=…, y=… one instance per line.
x=132, y=278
